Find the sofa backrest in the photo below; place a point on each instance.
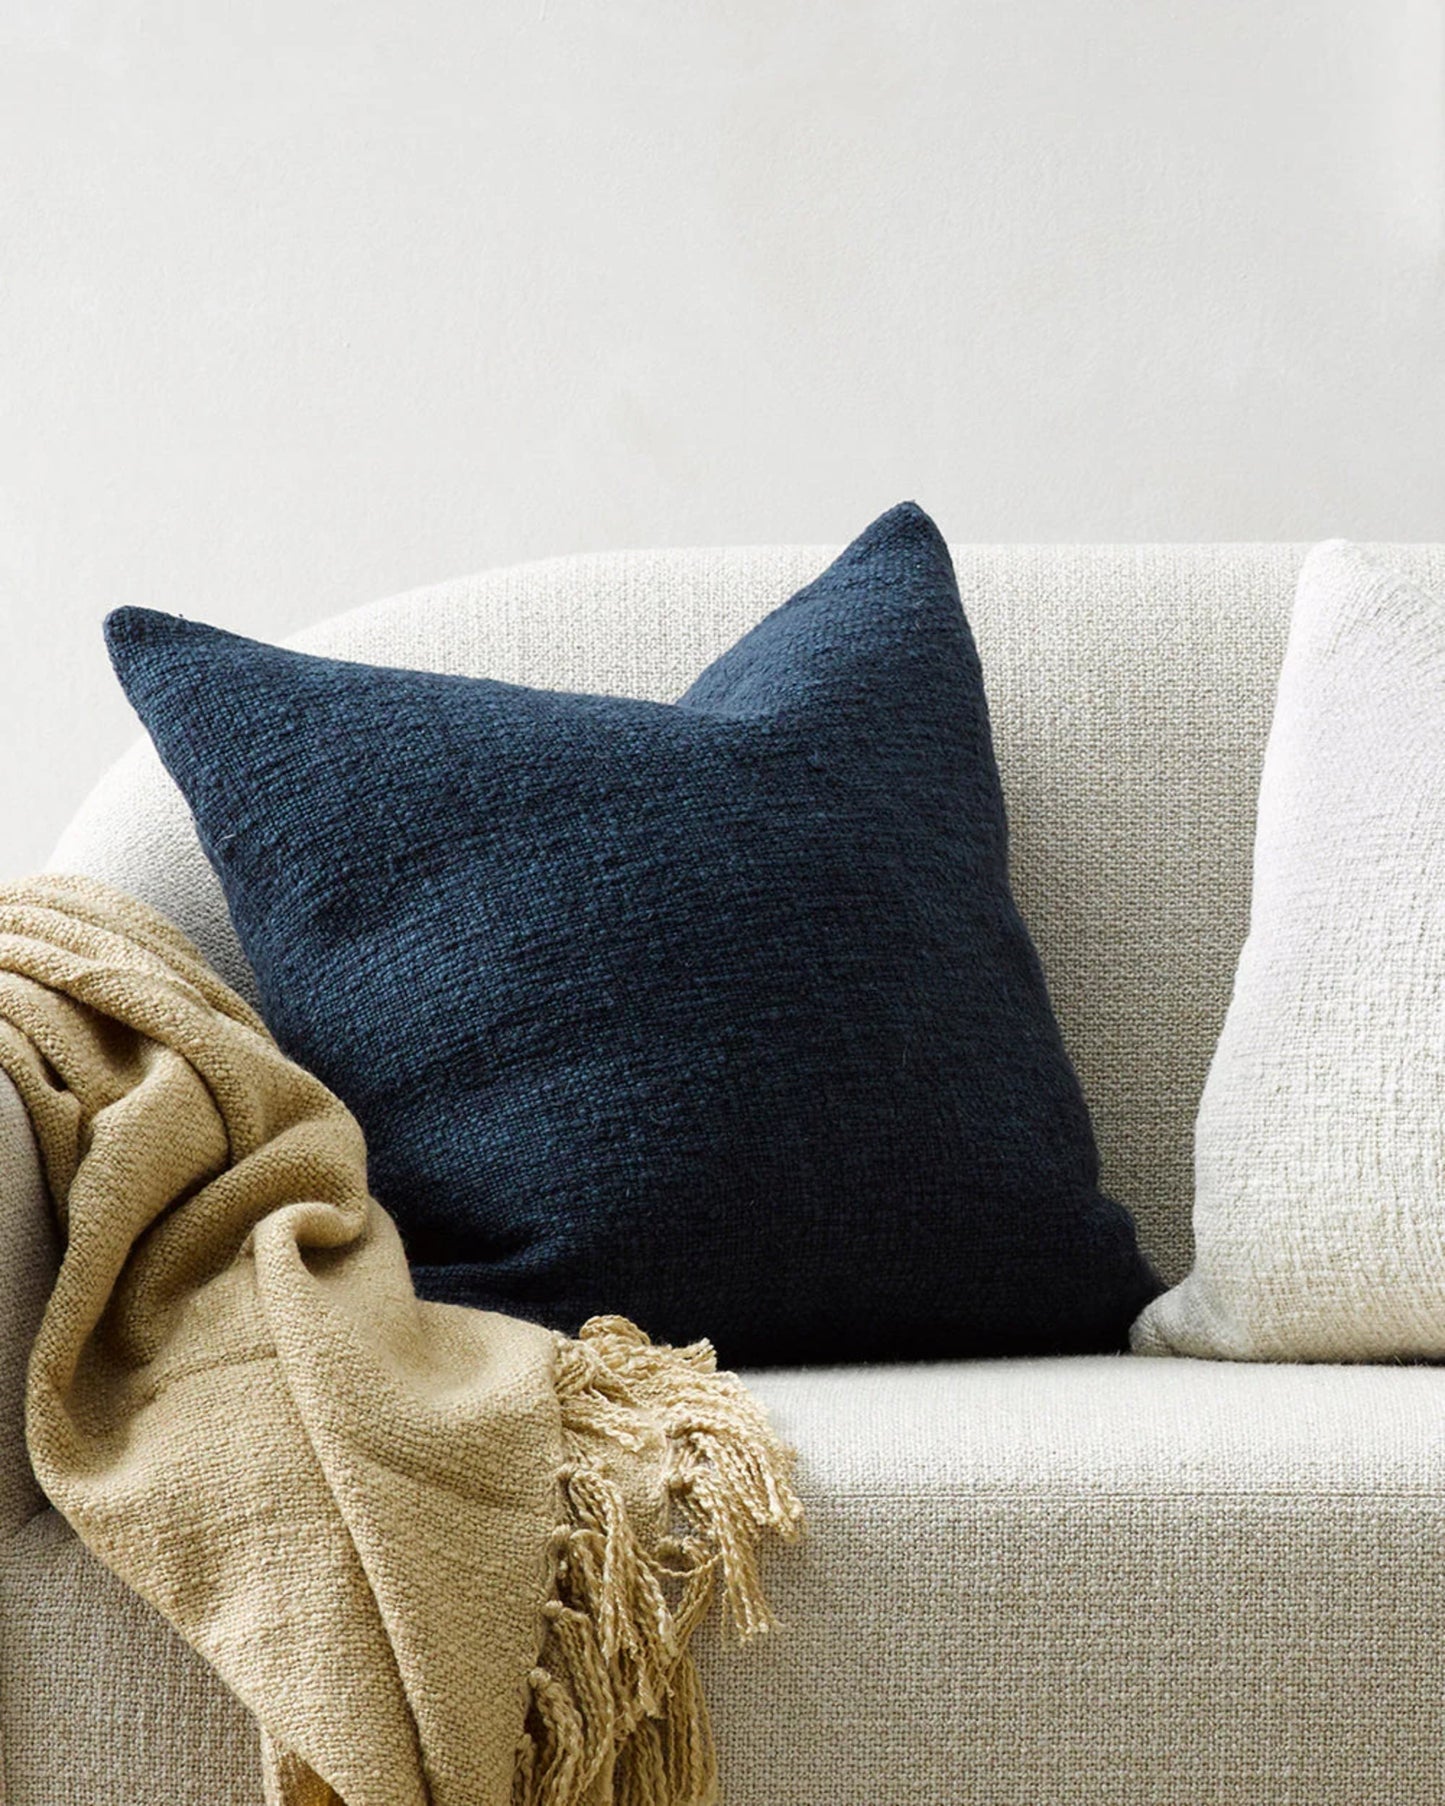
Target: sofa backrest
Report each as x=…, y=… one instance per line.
x=1130, y=689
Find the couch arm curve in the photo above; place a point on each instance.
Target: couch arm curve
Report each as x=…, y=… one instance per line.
x=29, y=1259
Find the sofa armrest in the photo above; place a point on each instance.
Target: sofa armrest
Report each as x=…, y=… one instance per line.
x=29, y=1259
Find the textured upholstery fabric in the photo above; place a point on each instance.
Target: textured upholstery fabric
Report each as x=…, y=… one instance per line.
x=1098, y=1581
x=101, y=1703
x=1102, y=1582
x=719, y=1015
x=1119, y=1582
x=1320, y=1149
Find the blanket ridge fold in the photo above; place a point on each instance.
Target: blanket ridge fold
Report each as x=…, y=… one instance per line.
x=446, y=1557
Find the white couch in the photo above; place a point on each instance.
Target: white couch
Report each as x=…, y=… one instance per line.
x=1086, y=1582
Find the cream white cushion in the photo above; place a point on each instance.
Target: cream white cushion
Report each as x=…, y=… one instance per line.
x=1319, y=1213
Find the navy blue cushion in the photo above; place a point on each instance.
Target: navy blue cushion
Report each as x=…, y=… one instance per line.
x=719, y=1014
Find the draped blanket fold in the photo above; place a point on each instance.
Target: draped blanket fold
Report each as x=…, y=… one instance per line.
x=445, y=1557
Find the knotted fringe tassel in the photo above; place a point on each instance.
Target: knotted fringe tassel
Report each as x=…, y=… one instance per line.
x=616, y=1715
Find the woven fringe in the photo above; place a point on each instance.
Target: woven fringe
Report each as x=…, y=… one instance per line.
x=615, y=1714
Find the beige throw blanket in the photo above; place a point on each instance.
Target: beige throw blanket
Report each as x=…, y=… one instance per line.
x=442, y=1555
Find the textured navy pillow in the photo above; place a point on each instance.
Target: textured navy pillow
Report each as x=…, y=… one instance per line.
x=718, y=1013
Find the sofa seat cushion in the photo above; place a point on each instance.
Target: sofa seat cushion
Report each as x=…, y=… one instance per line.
x=1104, y=1581
x=1077, y=1582
x=1099, y=1581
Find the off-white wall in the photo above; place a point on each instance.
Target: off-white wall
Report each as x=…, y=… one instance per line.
x=301, y=303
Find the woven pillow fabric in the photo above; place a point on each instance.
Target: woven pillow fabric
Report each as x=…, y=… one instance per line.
x=1319, y=1212
x=717, y=1013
